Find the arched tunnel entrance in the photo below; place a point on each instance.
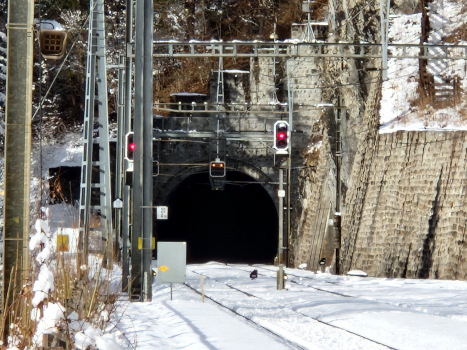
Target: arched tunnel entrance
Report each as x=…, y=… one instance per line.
x=237, y=225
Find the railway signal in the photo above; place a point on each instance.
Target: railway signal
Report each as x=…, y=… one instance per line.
x=130, y=147
x=217, y=168
x=281, y=142
x=217, y=174
x=281, y=137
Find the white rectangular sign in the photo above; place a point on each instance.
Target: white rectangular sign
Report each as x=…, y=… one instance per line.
x=162, y=213
x=171, y=262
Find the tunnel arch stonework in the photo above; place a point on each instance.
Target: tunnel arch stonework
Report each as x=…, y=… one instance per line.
x=181, y=154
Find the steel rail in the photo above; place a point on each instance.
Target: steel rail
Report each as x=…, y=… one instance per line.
x=283, y=307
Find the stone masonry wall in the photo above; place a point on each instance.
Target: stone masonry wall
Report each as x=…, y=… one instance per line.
x=414, y=212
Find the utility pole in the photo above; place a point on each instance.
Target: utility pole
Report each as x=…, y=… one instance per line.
x=17, y=149
x=147, y=147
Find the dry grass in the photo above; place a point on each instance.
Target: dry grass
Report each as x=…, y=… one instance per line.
x=241, y=20
x=88, y=297
x=458, y=35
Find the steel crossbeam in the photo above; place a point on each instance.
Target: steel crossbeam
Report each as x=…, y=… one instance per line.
x=298, y=49
x=211, y=134
x=231, y=135
x=214, y=108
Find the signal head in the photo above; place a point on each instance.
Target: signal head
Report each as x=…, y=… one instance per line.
x=130, y=147
x=281, y=141
x=217, y=169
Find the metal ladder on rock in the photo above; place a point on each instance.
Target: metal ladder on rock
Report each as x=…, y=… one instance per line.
x=95, y=133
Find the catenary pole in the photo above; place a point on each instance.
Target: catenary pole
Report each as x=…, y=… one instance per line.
x=147, y=148
x=120, y=150
x=136, y=236
x=127, y=127
x=17, y=147
x=290, y=89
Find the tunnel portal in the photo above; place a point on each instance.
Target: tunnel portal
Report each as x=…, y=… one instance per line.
x=237, y=225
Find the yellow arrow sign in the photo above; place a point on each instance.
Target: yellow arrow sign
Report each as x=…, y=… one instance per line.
x=163, y=268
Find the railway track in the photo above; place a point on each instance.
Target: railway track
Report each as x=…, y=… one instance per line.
x=295, y=282
x=275, y=335
x=289, y=309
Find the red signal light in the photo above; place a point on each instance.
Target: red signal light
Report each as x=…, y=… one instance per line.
x=281, y=141
x=130, y=147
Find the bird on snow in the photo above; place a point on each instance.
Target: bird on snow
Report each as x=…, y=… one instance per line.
x=254, y=274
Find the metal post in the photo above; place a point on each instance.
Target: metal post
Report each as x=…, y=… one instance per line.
x=17, y=146
x=127, y=127
x=136, y=254
x=88, y=127
x=147, y=147
x=120, y=143
x=96, y=90
x=280, y=277
x=281, y=217
x=337, y=216
x=289, y=161
x=384, y=35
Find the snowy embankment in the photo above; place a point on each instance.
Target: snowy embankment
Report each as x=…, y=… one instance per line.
x=316, y=311
x=402, y=106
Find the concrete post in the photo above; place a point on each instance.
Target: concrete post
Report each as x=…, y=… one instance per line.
x=17, y=145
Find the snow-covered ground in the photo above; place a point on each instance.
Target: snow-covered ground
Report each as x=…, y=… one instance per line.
x=316, y=311
x=402, y=106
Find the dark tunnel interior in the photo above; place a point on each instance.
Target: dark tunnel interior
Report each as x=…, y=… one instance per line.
x=237, y=225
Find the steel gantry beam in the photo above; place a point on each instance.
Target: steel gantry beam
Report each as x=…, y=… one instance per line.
x=298, y=49
x=214, y=108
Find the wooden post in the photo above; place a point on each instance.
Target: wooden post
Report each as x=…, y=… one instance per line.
x=202, y=288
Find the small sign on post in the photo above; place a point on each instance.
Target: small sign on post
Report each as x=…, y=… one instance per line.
x=118, y=204
x=62, y=243
x=162, y=212
x=171, y=262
